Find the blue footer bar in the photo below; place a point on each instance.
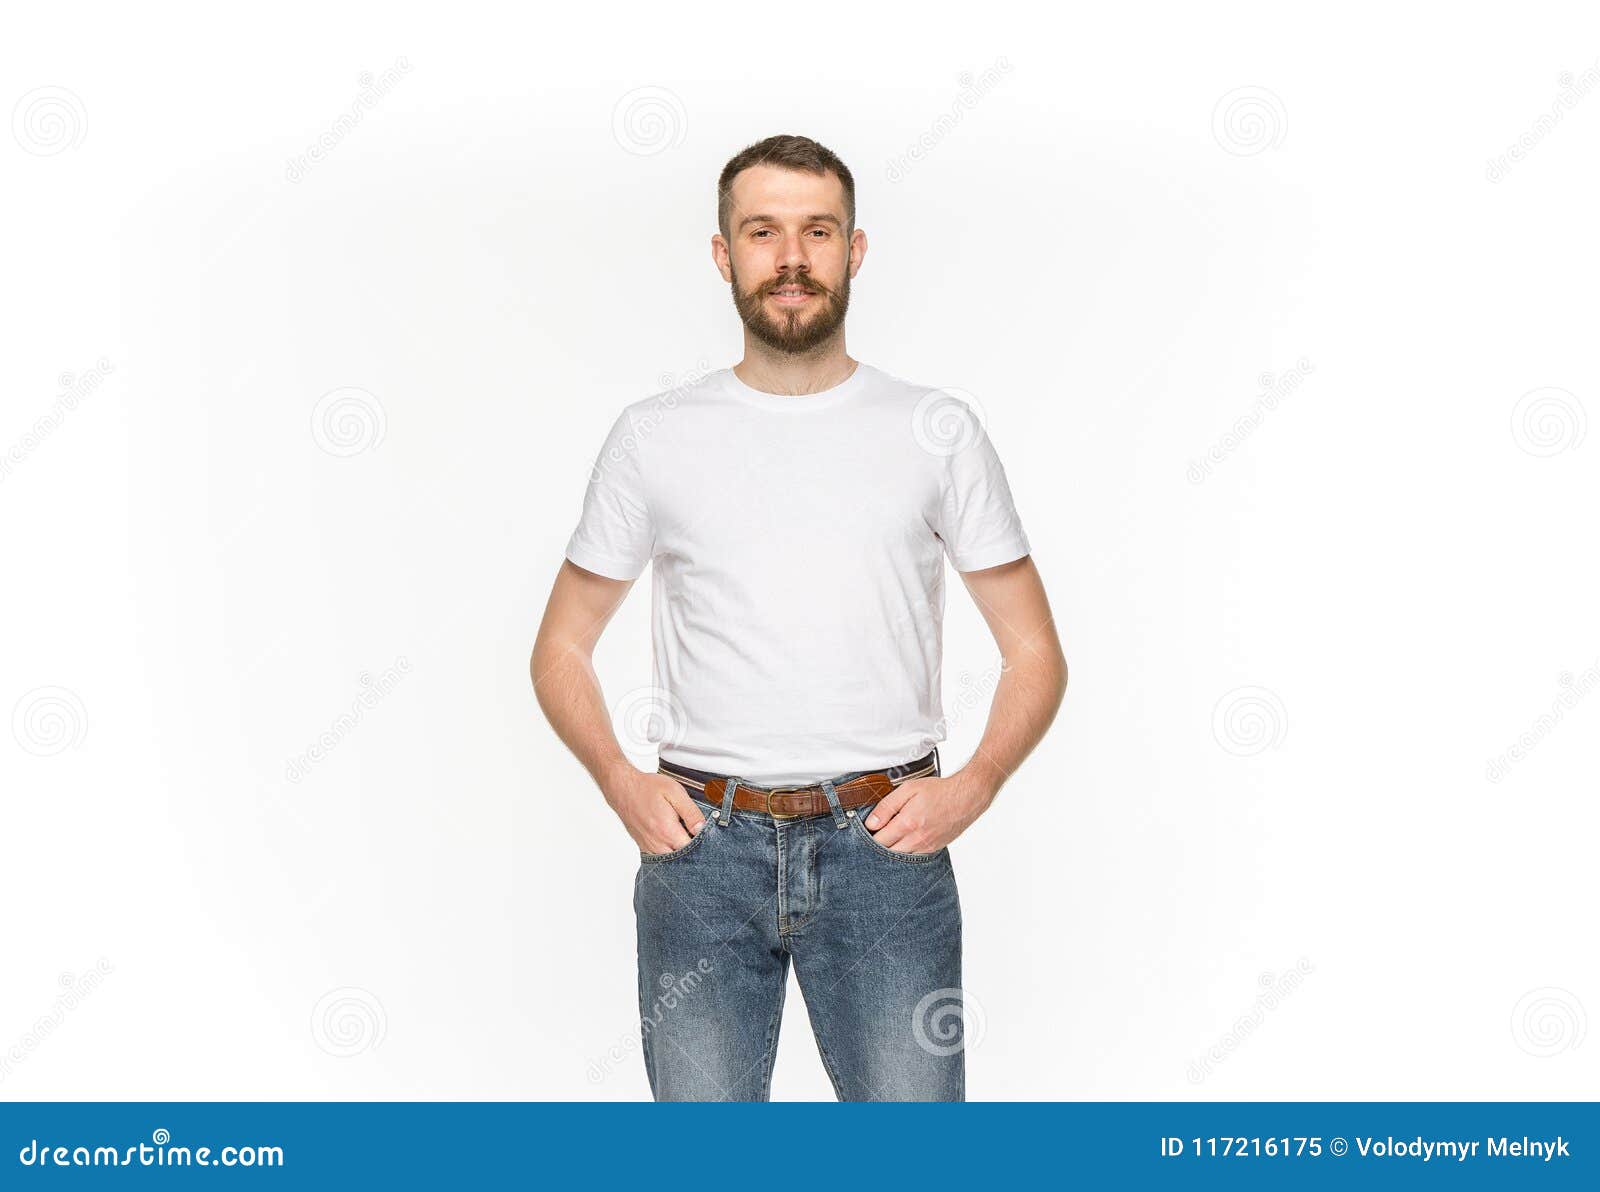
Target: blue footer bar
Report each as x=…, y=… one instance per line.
x=1134, y=1144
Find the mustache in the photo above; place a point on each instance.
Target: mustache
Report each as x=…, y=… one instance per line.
x=799, y=280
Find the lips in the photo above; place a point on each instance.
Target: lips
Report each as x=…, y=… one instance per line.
x=791, y=295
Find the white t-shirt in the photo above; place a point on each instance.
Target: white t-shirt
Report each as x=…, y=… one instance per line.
x=799, y=547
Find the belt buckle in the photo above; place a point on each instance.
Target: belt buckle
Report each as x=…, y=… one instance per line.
x=783, y=790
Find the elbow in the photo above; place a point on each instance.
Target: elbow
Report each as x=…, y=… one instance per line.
x=541, y=663
x=554, y=666
x=1042, y=671
x=1053, y=675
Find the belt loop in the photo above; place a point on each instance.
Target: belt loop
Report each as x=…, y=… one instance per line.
x=729, y=785
x=833, y=803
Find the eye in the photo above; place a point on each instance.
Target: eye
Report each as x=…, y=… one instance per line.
x=762, y=232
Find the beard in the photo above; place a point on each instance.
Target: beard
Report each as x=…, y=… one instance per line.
x=792, y=331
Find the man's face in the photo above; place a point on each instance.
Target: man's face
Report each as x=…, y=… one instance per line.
x=789, y=256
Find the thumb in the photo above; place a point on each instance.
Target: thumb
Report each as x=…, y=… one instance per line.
x=692, y=819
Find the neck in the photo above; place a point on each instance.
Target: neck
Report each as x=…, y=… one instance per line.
x=772, y=371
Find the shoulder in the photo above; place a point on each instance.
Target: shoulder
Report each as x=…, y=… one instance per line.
x=655, y=417
x=696, y=390
x=939, y=421
x=888, y=388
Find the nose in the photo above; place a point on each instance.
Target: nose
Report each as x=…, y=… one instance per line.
x=792, y=259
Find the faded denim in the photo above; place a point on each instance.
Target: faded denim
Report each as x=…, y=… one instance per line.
x=874, y=936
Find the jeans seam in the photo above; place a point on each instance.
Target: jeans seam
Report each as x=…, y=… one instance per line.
x=827, y=1063
x=649, y=1050
x=772, y=1039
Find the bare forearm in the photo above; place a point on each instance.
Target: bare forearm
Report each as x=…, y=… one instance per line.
x=1025, y=703
x=928, y=813
x=657, y=812
x=564, y=680
x=568, y=690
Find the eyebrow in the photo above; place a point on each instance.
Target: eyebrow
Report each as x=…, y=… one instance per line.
x=824, y=217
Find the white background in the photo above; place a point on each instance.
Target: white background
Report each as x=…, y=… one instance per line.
x=1397, y=555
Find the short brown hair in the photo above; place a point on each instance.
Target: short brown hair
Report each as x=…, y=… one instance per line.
x=789, y=153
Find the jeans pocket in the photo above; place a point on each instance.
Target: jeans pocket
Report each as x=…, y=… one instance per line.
x=694, y=841
x=859, y=826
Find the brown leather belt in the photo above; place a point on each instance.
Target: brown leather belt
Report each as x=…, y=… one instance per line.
x=796, y=802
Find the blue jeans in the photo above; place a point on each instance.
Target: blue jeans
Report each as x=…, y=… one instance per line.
x=874, y=935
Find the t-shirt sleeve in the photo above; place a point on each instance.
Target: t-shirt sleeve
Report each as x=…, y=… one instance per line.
x=978, y=521
x=615, y=535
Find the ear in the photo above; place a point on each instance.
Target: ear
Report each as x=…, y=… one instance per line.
x=858, y=252
x=719, y=257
